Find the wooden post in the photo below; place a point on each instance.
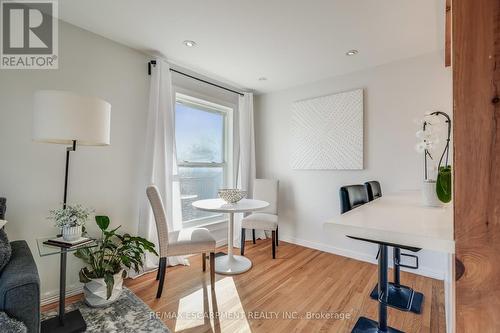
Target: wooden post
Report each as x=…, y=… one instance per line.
x=447, y=32
x=476, y=83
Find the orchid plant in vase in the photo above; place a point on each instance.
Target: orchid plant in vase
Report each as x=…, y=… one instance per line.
x=429, y=144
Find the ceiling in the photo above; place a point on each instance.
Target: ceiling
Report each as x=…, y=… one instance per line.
x=290, y=42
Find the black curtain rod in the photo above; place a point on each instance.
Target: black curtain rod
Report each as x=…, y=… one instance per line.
x=153, y=62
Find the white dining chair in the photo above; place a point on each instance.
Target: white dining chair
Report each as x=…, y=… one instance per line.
x=178, y=243
x=266, y=219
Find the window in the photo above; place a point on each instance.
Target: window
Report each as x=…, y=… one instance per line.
x=202, y=132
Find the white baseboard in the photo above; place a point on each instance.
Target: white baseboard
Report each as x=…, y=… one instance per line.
x=221, y=242
x=53, y=296
x=370, y=258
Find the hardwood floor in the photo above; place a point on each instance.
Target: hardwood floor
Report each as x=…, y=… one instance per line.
x=299, y=281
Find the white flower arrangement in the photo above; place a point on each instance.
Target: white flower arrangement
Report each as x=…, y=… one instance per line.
x=428, y=135
x=429, y=143
x=71, y=216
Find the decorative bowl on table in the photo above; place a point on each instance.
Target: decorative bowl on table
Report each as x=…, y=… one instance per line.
x=231, y=195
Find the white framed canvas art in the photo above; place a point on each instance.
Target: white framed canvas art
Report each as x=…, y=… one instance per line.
x=327, y=132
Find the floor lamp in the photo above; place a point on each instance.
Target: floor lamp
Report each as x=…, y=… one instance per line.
x=64, y=117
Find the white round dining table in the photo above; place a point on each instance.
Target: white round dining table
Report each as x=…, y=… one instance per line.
x=231, y=264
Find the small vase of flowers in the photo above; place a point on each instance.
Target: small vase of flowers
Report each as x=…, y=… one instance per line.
x=437, y=179
x=71, y=220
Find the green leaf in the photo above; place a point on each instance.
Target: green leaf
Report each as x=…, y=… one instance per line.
x=444, y=184
x=110, y=282
x=83, y=276
x=125, y=260
x=111, y=233
x=112, y=253
x=102, y=222
x=82, y=254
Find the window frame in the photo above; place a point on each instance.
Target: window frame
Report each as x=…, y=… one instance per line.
x=205, y=103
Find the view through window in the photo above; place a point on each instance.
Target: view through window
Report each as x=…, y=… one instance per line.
x=202, y=149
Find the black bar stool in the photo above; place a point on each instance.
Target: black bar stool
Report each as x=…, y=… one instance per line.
x=399, y=296
x=351, y=197
x=367, y=325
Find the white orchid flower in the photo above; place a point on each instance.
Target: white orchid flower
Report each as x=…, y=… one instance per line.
x=420, y=147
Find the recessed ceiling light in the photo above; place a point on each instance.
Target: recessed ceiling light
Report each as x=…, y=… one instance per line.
x=189, y=43
x=262, y=78
x=351, y=52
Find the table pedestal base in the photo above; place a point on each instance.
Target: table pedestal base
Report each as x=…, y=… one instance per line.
x=232, y=264
x=402, y=298
x=73, y=323
x=365, y=325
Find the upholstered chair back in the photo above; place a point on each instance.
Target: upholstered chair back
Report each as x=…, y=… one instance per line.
x=160, y=218
x=267, y=190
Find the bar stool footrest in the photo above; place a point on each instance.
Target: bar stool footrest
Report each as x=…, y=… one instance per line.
x=402, y=298
x=409, y=266
x=366, y=325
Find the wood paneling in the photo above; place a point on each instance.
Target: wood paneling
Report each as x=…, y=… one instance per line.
x=448, y=37
x=299, y=280
x=476, y=78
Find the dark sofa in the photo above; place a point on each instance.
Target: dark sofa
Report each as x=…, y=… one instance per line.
x=20, y=284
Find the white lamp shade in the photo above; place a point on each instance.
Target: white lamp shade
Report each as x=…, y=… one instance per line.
x=63, y=116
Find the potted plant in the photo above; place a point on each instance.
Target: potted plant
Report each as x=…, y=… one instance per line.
x=436, y=191
x=71, y=219
x=106, y=263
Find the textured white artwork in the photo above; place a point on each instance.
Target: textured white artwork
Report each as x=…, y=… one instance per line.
x=327, y=132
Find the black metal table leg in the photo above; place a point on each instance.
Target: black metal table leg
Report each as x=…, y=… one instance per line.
x=399, y=296
x=62, y=285
x=366, y=325
x=71, y=322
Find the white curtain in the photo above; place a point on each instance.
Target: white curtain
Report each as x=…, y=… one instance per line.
x=159, y=159
x=246, y=161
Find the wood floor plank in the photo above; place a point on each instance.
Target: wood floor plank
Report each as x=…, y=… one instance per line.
x=302, y=290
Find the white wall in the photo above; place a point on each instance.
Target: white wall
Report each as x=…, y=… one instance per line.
x=108, y=178
x=395, y=95
x=105, y=178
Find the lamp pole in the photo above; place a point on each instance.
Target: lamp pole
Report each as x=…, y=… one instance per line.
x=58, y=114
x=68, y=150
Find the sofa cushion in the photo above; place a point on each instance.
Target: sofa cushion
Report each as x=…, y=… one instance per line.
x=5, y=249
x=3, y=207
x=20, y=287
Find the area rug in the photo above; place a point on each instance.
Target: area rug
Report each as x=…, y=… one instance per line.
x=128, y=314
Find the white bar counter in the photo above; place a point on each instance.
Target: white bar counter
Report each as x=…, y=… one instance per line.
x=399, y=218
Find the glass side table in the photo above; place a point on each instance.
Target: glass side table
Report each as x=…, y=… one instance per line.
x=73, y=321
